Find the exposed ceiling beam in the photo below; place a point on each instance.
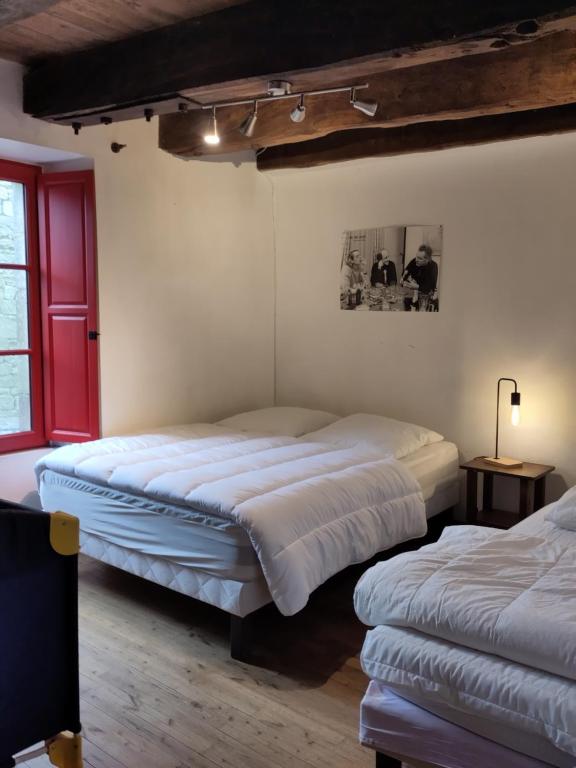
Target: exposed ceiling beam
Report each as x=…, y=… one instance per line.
x=537, y=75
x=260, y=39
x=14, y=10
x=421, y=137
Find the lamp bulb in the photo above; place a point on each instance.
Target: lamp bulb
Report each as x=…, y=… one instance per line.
x=211, y=136
x=515, y=417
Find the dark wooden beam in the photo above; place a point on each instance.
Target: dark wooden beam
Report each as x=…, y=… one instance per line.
x=14, y=10
x=540, y=74
x=422, y=137
x=260, y=39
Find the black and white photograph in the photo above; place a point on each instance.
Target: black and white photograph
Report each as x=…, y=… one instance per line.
x=391, y=269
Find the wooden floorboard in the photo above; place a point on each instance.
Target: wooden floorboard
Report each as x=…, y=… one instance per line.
x=159, y=690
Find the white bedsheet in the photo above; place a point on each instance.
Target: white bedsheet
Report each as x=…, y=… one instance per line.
x=310, y=509
x=500, y=592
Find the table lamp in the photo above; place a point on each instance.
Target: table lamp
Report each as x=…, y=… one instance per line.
x=503, y=461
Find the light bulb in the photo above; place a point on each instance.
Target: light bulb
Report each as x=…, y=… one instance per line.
x=211, y=136
x=299, y=112
x=515, y=416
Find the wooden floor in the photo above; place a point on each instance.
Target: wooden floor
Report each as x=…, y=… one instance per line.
x=160, y=691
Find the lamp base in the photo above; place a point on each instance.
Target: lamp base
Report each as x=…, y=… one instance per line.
x=504, y=462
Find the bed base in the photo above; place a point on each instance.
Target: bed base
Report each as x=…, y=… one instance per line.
x=397, y=761
x=385, y=761
x=241, y=631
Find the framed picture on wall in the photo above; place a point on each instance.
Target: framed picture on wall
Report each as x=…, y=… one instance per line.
x=391, y=269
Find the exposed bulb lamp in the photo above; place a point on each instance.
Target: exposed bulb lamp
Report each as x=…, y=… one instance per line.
x=299, y=112
x=502, y=461
x=249, y=123
x=211, y=136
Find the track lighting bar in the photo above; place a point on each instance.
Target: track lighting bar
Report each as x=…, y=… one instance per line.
x=284, y=96
x=297, y=115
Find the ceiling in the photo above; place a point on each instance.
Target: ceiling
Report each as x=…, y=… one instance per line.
x=439, y=72
x=71, y=25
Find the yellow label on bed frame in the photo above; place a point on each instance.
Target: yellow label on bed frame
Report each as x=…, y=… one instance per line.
x=64, y=533
x=65, y=750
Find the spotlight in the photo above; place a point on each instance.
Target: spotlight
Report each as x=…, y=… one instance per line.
x=249, y=123
x=366, y=107
x=211, y=136
x=299, y=112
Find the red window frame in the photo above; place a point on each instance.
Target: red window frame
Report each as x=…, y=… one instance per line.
x=27, y=175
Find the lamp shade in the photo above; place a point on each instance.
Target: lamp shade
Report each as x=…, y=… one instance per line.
x=367, y=107
x=299, y=112
x=248, y=125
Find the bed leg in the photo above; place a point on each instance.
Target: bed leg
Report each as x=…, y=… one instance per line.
x=241, y=638
x=383, y=761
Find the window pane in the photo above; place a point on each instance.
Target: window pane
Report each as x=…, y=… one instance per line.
x=12, y=223
x=13, y=309
x=14, y=394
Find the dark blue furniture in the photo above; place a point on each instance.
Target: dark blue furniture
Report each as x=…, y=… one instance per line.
x=39, y=696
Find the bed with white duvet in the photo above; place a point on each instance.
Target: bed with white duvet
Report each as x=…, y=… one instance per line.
x=479, y=630
x=261, y=507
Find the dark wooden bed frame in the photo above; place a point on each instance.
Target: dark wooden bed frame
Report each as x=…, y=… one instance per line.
x=399, y=761
x=389, y=761
x=241, y=628
x=384, y=761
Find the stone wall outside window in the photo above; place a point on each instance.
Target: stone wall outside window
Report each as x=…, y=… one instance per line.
x=14, y=372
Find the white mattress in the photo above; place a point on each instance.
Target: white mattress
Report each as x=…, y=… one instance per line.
x=189, y=539
x=391, y=724
x=531, y=711
x=237, y=597
x=436, y=469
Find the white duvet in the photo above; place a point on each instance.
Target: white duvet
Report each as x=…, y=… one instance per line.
x=499, y=592
x=310, y=509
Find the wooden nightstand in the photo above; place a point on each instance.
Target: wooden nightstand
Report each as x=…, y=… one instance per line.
x=532, y=479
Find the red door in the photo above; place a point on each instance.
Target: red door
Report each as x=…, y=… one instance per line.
x=69, y=306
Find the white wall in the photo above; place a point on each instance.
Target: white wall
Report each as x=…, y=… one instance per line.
x=17, y=478
x=186, y=276
x=185, y=273
x=508, y=288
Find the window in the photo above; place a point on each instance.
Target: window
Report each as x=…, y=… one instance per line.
x=21, y=417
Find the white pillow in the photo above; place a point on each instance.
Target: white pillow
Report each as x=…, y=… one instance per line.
x=563, y=512
x=395, y=438
x=279, y=421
